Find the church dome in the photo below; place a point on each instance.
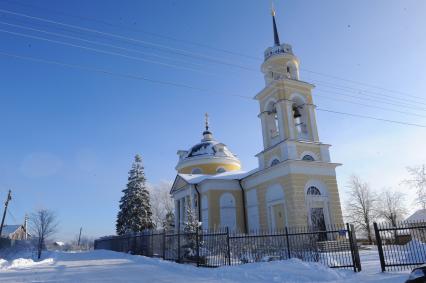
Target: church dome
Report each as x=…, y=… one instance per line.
x=207, y=157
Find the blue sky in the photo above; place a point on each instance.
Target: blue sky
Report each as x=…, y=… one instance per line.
x=68, y=136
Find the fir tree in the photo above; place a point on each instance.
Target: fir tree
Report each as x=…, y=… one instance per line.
x=135, y=213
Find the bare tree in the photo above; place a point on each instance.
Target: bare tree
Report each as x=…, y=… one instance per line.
x=360, y=206
x=417, y=181
x=43, y=225
x=161, y=203
x=391, y=206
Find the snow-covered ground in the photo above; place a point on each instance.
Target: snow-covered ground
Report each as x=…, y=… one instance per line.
x=107, y=266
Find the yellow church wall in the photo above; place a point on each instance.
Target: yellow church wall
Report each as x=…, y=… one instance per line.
x=294, y=194
x=210, y=168
x=272, y=154
x=214, y=207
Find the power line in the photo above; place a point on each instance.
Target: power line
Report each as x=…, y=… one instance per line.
x=103, y=71
x=141, y=31
x=97, y=43
x=187, y=86
x=364, y=91
x=374, y=100
x=359, y=82
x=369, y=106
x=186, y=53
x=117, y=36
x=205, y=46
x=370, y=117
x=101, y=51
x=155, y=62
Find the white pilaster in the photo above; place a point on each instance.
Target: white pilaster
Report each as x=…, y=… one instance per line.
x=290, y=119
x=313, y=119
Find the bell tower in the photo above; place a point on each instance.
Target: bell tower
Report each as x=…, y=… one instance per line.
x=287, y=112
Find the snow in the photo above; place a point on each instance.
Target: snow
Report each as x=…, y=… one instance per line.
x=108, y=266
x=230, y=175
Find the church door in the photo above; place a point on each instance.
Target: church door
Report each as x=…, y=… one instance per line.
x=278, y=216
x=318, y=222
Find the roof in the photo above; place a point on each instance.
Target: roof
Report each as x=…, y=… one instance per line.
x=9, y=229
x=419, y=215
x=208, y=149
x=231, y=175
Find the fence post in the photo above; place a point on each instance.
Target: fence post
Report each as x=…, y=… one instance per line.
x=197, y=241
x=351, y=244
x=288, y=242
x=379, y=247
x=229, y=248
x=164, y=244
x=356, y=250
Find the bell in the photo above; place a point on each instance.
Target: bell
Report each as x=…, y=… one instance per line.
x=296, y=113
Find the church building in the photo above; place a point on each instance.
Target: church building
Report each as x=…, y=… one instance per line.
x=295, y=182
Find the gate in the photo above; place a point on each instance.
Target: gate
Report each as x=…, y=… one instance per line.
x=402, y=246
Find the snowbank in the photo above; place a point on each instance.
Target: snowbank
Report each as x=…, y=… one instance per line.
x=108, y=266
x=23, y=263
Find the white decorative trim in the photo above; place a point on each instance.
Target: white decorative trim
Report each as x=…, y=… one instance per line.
x=318, y=184
x=290, y=167
x=219, y=185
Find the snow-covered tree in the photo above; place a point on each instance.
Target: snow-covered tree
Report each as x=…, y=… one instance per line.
x=169, y=221
x=190, y=229
x=361, y=205
x=135, y=213
x=191, y=223
x=417, y=181
x=162, y=204
x=391, y=206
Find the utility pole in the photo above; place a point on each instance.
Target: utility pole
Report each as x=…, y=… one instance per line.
x=79, y=236
x=9, y=197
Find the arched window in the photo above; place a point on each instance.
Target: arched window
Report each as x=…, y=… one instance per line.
x=274, y=162
x=220, y=170
x=196, y=171
x=313, y=191
x=308, y=157
x=228, y=214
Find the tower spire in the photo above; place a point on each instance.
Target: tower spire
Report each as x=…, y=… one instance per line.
x=276, y=36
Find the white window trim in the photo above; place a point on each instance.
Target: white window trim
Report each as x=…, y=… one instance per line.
x=307, y=152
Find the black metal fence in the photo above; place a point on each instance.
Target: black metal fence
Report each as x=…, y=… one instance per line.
x=402, y=246
x=335, y=247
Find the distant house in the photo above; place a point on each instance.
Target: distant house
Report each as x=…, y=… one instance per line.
x=14, y=232
x=417, y=219
x=418, y=216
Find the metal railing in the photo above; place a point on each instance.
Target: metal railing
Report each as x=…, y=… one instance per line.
x=334, y=247
x=401, y=246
